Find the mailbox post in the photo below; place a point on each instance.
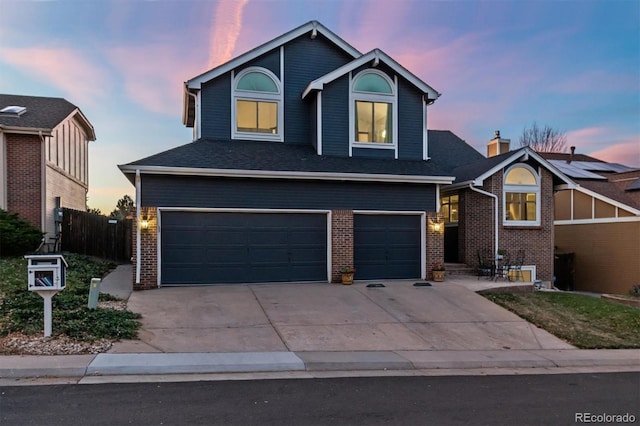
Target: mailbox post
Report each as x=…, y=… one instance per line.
x=47, y=275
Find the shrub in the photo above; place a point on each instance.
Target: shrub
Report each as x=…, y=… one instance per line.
x=17, y=237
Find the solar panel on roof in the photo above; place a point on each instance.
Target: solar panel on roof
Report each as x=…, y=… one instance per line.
x=571, y=170
x=600, y=167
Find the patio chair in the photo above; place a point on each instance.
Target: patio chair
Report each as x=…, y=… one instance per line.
x=486, y=267
x=503, y=266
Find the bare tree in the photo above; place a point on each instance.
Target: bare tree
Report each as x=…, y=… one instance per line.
x=545, y=139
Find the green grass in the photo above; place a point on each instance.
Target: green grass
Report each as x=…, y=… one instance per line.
x=584, y=321
x=22, y=310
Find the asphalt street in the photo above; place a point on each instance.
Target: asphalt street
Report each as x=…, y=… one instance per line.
x=549, y=399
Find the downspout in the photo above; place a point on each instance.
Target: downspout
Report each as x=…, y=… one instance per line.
x=43, y=185
x=496, y=220
x=138, y=257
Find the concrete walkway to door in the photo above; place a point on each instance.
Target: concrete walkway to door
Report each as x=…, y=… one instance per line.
x=308, y=317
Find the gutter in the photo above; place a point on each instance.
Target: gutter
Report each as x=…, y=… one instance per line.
x=285, y=174
x=496, y=217
x=43, y=185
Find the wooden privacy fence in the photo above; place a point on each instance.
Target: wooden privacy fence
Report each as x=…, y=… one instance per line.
x=95, y=235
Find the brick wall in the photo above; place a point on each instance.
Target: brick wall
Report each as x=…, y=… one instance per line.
x=434, y=242
x=24, y=177
x=341, y=242
x=476, y=227
x=148, y=251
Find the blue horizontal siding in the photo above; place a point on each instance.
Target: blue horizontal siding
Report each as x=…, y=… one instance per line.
x=305, y=59
x=410, y=128
x=216, y=108
x=203, y=192
x=270, y=61
x=335, y=118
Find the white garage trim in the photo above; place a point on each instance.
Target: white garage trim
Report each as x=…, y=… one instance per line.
x=240, y=210
x=423, y=231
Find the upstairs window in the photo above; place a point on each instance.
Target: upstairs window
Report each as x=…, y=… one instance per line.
x=374, y=110
x=257, y=105
x=521, y=196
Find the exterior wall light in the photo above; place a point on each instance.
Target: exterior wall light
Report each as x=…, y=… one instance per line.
x=144, y=223
x=437, y=226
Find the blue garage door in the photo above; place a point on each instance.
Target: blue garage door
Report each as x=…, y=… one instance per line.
x=214, y=248
x=387, y=246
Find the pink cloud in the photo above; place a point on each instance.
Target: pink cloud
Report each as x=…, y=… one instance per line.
x=82, y=81
x=225, y=29
x=153, y=75
x=627, y=153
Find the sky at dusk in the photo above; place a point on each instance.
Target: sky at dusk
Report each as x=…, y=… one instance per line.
x=572, y=65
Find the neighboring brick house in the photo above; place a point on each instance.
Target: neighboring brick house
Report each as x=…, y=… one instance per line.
x=597, y=225
x=44, y=146
x=308, y=156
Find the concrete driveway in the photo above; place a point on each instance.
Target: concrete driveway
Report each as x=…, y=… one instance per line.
x=328, y=317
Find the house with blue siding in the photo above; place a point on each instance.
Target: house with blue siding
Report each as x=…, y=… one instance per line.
x=308, y=156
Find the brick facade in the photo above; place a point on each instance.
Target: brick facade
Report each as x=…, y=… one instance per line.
x=341, y=242
x=148, y=251
x=24, y=177
x=476, y=226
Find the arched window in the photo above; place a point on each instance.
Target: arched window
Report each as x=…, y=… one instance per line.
x=521, y=196
x=257, y=105
x=374, y=106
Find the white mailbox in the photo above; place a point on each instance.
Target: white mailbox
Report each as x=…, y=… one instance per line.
x=46, y=272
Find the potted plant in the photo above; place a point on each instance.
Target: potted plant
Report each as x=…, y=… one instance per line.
x=438, y=271
x=501, y=253
x=347, y=274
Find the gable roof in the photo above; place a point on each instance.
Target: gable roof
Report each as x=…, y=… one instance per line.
x=375, y=56
x=207, y=157
x=194, y=84
x=42, y=114
x=313, y=27
x=475, y=173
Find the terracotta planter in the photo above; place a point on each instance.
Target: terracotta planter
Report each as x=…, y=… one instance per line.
x=438, y=276
x=347, y=279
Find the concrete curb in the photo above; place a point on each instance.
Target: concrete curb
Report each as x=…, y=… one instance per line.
x=256, y=362
x=162, y=363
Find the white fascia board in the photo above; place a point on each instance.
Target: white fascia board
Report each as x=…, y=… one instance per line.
x=270, y=174
x=91, y=134
x=319, y=83
x=196, y=82
x=524, y=154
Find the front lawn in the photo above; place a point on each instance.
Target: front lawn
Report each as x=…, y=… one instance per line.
x=584, y=321
x=21, y=311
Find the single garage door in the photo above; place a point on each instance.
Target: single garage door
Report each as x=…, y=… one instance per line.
x=387, y=246
x=214, y=248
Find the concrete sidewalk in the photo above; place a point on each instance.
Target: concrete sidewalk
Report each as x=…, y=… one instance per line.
x=319, y=327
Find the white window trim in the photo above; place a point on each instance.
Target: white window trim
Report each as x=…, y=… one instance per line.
x=256, y=96
x=373, y=97
x=535, y=189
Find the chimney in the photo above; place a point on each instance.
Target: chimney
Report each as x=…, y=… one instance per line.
x=497, y=145
x=573, y=151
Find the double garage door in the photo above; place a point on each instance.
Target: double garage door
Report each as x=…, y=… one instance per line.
x=236, y=247
x=211, y=248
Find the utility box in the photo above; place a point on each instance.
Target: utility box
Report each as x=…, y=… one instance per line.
x=46, y=272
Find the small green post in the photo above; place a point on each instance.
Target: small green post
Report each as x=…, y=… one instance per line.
x=94, y=292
